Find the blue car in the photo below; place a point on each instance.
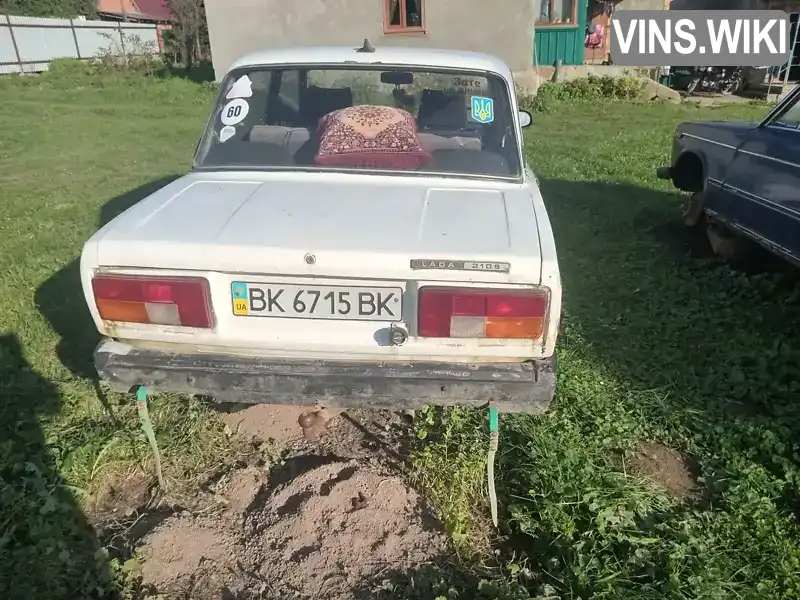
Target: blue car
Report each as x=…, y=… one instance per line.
x=743, y=180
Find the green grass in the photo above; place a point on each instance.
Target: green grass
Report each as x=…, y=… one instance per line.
x=77, y=151
x=655, y=345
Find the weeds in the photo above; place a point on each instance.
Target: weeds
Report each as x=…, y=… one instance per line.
x=591, y=89
x=454, y=441
x=128, y=52
x=124, y=54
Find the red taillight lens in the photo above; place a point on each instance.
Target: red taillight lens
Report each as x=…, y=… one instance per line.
x=482, y=313
x=183, y=301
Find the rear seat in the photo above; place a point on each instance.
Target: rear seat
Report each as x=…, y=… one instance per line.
x=315, y=103
x=432, y=142
x=290, y=138
x=293, y=138
x=442, y=111
x=440, y=115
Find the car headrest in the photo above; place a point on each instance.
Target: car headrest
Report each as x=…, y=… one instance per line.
x=442, y=109
x=318, y=102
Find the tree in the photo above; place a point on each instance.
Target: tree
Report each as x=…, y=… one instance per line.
x=49, y=8
x=190, y=29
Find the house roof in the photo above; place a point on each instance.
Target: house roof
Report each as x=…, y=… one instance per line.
x=157, y=9
x=384, y=55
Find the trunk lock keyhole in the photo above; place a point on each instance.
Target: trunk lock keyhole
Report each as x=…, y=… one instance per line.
x=397, y=336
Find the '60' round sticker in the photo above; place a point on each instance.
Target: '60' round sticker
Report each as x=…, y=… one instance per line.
x=234, y=112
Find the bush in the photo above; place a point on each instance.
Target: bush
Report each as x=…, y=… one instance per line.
x=591, y=89
x=69, y=67
x=130, y=54
x=49, y=8
x=172, y=50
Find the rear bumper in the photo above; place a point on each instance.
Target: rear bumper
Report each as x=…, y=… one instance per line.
x=526, y=387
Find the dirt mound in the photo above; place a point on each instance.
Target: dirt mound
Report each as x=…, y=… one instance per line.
x=187, y=557
x=120, y=495
x=267, y=422
x=665, y=467
x=241, y=489
x=320, y=535
x=336, y=525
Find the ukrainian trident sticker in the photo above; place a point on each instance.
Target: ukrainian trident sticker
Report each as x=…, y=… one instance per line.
x=482, y=109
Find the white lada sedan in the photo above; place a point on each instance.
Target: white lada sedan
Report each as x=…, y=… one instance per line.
x=359, y=229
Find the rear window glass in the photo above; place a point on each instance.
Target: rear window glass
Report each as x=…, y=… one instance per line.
x=400, y=120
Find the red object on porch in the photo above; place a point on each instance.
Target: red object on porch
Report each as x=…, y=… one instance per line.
x=596, y=38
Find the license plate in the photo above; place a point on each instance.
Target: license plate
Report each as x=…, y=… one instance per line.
x=316, y=301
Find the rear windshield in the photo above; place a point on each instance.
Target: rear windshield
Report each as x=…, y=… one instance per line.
x=398, y=120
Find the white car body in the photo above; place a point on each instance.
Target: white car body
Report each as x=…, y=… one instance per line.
x=338, y=230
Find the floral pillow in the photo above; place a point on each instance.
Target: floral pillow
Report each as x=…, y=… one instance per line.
x=370, y=136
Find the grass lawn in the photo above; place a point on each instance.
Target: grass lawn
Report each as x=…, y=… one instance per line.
x=657, y=346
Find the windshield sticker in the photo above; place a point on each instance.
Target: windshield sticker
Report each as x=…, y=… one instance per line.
x=473, y=86
x=241, y=89
x=234, y=112
x=482, y=109
x=226, y=133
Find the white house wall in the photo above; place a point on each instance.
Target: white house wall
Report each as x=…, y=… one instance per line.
x=237, y=27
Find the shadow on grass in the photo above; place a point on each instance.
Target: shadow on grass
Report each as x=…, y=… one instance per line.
x=654, y=304
x=47, y=548
x=61, y=301
x=200, y=73
x=50, y=546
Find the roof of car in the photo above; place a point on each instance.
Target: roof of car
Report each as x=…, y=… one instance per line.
x=390, y=55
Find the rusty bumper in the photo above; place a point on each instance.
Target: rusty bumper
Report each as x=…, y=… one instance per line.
x=521, y=387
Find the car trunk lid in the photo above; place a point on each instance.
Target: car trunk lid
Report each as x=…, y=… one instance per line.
x=304, y=265
x=301, y=224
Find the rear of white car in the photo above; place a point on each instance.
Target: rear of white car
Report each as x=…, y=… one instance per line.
x=331, y=288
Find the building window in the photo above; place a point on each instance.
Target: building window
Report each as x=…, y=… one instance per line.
x=556, y=12
x=403, y=15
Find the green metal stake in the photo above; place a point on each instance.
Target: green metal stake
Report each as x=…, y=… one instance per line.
x=494, y=437
x=144, y=417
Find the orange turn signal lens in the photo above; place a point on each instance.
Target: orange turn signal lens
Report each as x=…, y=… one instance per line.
x=514, y=327
x=119, y=310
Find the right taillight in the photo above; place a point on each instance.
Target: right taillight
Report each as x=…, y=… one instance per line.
x=481, y=313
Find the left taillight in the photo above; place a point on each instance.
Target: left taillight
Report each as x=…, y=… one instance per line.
x=182, y=301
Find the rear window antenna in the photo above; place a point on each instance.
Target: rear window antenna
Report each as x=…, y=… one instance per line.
x=367, y=47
